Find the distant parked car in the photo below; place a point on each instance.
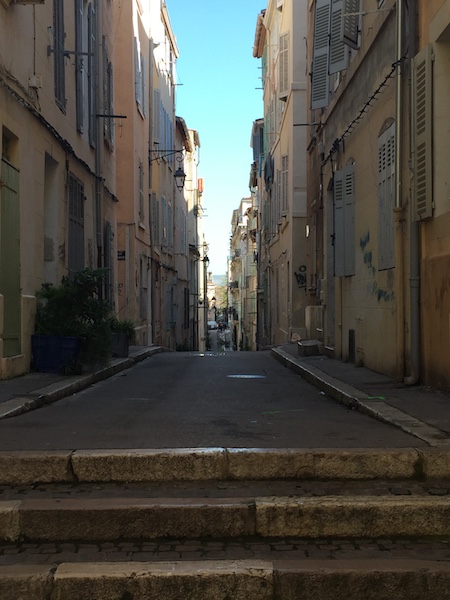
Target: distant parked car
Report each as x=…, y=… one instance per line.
x=213, y=325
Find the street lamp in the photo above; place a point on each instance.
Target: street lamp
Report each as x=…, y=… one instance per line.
x=179, y=175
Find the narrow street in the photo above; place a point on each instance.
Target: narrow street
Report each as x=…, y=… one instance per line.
x=175, y=400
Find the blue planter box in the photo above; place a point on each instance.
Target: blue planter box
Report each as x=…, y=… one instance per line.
x=53, y=353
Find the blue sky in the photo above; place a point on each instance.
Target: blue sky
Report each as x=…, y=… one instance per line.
x=219, y=97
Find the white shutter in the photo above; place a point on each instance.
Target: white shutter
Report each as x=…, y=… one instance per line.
x=386, y=195
x=338, y=50
x=283, y=66
x=156, y=116
x=320, y=81
x=350, y=23
x=422, y=131
x=338, y=190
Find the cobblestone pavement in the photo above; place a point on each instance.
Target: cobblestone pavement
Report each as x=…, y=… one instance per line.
x=227, y=489
x=204, y=549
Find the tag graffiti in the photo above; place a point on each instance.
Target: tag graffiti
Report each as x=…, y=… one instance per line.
x=301, y=277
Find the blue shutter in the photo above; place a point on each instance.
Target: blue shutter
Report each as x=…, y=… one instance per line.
x=350, y=23
x=339, y=56
x=349, y=215
x=320, y=81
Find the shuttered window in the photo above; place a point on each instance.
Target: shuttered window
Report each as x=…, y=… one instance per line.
x=59, y=58
x=350, y=23
x=109, y=263
x=156, y=116
x=155, y=213
x=320, y=80
x=79, y=65
x=386, y=197
x=108, y=95
x=284, y=184
x=422, y=131
x=344, y=221
x=141, y=191
x=76, y=225
x=339, y=55
x=283, y=66
x=92, y=72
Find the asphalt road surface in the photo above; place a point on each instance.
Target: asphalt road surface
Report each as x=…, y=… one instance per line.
x=177, y=400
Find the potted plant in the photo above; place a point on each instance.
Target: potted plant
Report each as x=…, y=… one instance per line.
x=122, y=335
x=72, y=324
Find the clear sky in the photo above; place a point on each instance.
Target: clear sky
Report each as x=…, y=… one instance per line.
x=219, y=96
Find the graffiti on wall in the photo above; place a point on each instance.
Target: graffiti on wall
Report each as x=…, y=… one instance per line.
x=301, y=277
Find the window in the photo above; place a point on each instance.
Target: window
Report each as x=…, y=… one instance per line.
x=139, y=78
x=156, y=116
x=164, y=221
x=350, y=25
x=283, y=67
x=422, y=134
x=330, y=54
x=79, y=65
x=59, y=58
x=344, y=221
x=141, y=192
x=92, y=73
x=156, y=235
x=76, y=225
x=284, y=184
x=386, y=198
x=108, y=95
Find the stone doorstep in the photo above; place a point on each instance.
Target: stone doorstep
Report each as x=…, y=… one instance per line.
x=206, y=464
x=239, y=580
x=334, y=516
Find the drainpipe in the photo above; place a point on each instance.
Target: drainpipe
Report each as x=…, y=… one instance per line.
x=414, y=279
x=398, y=208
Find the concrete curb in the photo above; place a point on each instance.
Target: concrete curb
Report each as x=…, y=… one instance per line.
x=220, y=464
x=240, y=580
x=71, y=385
x=357, y=399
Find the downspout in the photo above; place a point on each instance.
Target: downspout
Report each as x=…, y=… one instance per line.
x=98, y=136
x=398, y=208
x=414, y=278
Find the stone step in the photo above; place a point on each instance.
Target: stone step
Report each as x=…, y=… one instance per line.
x=109, y=519
x=226, y=580
x=222, y=464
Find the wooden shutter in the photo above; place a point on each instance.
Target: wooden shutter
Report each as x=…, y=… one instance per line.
x=338, y=50
x=422, y=131
x=320, y=81
x=283, y=66
x=386, y=195
x=350, y=22
x=76, y=225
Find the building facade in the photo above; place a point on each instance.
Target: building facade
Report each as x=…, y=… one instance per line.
x=282, y=273
x=91, y=150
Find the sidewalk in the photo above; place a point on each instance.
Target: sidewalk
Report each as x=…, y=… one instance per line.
x=33, y=390
x=417, y=410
